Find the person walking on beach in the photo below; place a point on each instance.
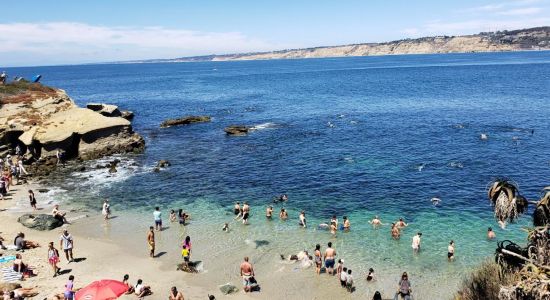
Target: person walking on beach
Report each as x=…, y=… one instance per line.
x=302, y=219
x=247, y=272
x=329, y=257
x=318, y=259
x=66, y=243
x=32, y=200
x=157, y=215
x=53, y=258
x=246, y=213
x=416, y=242
x=151, y=241
x=269, y=212
x=451, y=251
x=404, y=289
x=491, y=234
x=69, y=289
x=175, y=294
x=106, y=210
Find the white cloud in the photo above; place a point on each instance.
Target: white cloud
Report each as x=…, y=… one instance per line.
x=62, y=42
x=521, y=11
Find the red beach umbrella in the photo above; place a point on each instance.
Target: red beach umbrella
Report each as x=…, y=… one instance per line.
x=102, y=290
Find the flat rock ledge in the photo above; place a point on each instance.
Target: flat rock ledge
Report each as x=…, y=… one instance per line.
x=237, y=130
x=185, y=121
x=40, y=222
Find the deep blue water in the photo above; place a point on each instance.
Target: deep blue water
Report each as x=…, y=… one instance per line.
x=390, y=115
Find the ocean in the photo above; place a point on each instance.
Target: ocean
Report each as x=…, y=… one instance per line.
x=357, y=137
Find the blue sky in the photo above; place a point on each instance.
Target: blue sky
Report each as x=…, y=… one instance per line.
x=41, y=32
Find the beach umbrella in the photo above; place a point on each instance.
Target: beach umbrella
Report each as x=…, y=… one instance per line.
x=102, y=290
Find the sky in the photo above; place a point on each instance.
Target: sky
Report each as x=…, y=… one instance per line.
x=37, y=32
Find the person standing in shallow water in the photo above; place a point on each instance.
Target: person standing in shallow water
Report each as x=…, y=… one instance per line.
x=106, y=211
x=491, y=234
x=246, y=213
x=416, y=243
x=451, y=251
x=283, y=215
x=395, y=234
x=330, y=255
x=32, y=200
x=302, y=219
x=157, y=215
x=151, y=241
x=269, y=212
x=318, y=259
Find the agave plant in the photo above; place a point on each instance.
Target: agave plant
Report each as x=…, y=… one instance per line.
x=506, y=200
x=541, y=216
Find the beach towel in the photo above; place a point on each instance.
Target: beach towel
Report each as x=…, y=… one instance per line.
x=9, y=275
x=4, y=259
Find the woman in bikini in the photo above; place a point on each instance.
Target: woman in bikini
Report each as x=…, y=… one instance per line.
x=318, y=259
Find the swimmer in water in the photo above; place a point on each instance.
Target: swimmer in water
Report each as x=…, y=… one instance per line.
x=347, y=224
x=269, y=212
x=401, y=224
x=246, y=213
x=435, y=201
x=376, y=222
x=225, y=227
x=283, y=215
x=302, y=219
x=333, y=228
x=237, y=209
x=491, y=234
x=395, y=234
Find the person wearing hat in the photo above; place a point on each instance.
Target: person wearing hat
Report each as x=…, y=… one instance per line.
x=66, y=243
x=269, y=212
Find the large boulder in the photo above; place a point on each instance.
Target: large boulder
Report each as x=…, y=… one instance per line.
x=40, y=222
x=237, y=130
x=128, y=115
x=185, y=121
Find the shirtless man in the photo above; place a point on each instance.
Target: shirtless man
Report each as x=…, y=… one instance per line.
x=491, y=234
x=333, y=227
x=175, y=294
x=58, y=214
x=151, y=241
x=376, y=222
x=247, y=271
x=451, y=251
x=401, y=224
x=269, y=212
x=246, y=212
x=395, y=232
x=329, y=256
x=335, y=221
x=283, y=214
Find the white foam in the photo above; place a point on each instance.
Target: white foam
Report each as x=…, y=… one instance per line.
x=268, y=125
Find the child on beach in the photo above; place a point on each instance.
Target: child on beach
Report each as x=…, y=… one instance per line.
x=69, y=289
x=349, y=281
x=370, y=275
x=173, y=217
x=339, y=267
x=343, y=277
x=32, y=199
x=53, y=258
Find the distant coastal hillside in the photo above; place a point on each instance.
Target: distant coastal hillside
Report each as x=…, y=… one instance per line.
x=537, y=38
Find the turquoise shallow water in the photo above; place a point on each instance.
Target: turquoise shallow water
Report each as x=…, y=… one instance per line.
x=404, y=129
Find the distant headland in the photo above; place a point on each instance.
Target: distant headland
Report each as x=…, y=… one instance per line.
x=537, y=38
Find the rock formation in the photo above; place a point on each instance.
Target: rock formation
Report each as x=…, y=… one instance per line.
x=237, y=130
x=43, y=120
x=40, y=222
x=185, y=121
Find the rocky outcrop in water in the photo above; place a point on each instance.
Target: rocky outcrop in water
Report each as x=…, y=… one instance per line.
x=237, y=130
x=40, y=222
x=43, y=121
x=185, y=121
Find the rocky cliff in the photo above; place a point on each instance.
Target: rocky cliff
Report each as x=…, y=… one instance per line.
x=43, y=120
x=517, y=40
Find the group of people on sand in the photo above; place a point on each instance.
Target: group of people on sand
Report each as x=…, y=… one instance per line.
x=11, y=168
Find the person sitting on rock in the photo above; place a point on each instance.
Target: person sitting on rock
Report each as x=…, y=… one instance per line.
x=58, y=214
